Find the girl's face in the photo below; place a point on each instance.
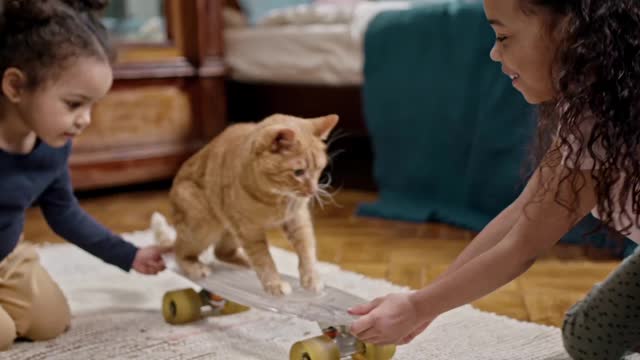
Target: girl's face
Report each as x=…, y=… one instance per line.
x=524, y=47
x=60, y=109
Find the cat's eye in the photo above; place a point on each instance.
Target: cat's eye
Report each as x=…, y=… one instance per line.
x=298, y=172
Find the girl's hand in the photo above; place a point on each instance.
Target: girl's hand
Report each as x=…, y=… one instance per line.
x=149, y=260
x=392, y=319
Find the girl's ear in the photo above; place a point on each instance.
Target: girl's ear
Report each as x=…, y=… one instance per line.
x=14, y=83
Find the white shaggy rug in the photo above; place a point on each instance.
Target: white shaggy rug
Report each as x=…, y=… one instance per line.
x=117, y=316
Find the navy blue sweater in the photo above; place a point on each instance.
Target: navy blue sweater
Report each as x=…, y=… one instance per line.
x=42, y=177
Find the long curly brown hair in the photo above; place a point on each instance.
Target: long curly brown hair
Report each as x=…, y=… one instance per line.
x=595, y=113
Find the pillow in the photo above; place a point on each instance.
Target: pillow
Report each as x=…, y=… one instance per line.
x=257, y=9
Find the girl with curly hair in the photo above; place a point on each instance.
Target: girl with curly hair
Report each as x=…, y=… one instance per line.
x=54, y=65
x=579, y=60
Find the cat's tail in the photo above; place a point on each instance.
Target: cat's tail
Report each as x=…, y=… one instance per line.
x=164, y=234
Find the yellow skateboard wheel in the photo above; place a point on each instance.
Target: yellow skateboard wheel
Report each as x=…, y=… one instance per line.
x=181, y=306
x=316, y=348
x=231, y=307
x=376, y=352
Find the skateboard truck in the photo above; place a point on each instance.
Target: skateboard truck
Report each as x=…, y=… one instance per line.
x=187, y=305
x=335, y=343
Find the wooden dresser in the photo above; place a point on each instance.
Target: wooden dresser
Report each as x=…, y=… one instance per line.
x=168, y=98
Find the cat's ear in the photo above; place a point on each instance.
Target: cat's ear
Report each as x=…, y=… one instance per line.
x=276, y=140
x=322, y=126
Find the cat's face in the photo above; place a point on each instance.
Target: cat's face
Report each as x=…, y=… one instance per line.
x=290, y=154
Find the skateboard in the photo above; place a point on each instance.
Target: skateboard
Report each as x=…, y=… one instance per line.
x=232, y=289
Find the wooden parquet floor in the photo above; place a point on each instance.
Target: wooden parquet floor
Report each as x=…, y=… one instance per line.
x=404, y=253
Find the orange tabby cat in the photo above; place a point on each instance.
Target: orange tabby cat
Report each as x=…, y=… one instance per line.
x=252, y=177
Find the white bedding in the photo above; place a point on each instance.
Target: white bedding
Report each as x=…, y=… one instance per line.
x=313, y=44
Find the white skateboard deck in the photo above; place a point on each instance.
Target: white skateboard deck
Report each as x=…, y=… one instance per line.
x=241, y=285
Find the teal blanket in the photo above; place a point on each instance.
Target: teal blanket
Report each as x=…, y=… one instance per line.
x=450, y=134
x=448, y=129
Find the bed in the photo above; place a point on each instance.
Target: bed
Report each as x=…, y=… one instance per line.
x=305, y=61
x=314, y=54
x=305, y=45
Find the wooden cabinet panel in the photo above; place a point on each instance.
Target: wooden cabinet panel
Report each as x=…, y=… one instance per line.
x=137, y=117
x=115, y=171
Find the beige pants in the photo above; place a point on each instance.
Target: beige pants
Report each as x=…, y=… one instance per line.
x=32, y=305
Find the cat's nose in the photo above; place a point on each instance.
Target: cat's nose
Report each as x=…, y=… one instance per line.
x=310, y=189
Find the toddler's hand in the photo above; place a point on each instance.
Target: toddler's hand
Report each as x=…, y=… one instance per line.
x=149, y=261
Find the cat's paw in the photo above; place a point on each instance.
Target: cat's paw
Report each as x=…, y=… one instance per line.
x=278, y=288
x=195, y=269
x=312, y=283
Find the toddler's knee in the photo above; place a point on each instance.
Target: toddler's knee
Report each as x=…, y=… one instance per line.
x=50, y=313
x=51, y=326
x=7, y=334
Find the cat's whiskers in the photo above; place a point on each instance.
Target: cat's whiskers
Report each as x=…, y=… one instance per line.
x=316, y=199
x=336, y=135
x=323, y=195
